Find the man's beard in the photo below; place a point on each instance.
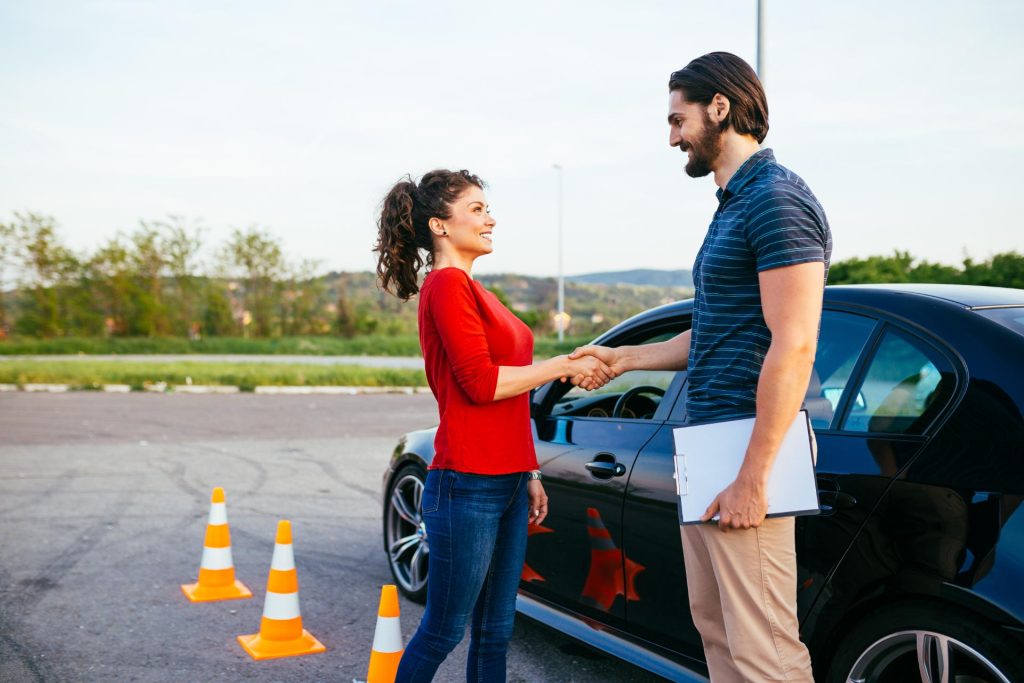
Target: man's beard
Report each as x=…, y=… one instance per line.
x=706, y=150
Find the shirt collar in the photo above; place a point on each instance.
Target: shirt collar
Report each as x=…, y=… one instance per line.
x=745, y=173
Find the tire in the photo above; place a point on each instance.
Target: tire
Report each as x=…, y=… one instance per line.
x=885, y=647
x=405, y=536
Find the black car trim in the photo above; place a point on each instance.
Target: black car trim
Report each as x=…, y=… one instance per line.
x=682, y=376
x=605, y=639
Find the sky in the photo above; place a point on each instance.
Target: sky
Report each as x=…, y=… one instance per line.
x=296, y=117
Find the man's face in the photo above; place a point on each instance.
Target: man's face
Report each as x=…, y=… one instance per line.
x=693, y=132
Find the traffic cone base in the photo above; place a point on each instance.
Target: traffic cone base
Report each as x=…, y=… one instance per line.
x=261, y=648
x=199, y=593
x=383, y=666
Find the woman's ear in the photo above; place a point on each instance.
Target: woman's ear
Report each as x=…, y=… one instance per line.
x=437, y=227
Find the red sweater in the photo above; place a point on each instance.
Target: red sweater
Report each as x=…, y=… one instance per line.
x=465, y=334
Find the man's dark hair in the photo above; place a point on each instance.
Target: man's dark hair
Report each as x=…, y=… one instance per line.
x=725, y=73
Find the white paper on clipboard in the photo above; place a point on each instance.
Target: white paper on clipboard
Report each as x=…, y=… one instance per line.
x=709, y=456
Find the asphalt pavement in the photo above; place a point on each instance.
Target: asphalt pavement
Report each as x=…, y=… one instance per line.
x=103, y=505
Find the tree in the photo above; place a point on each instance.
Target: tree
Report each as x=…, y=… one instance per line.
x=8, y=249
x=1002, y=270
x=345, y=319
x=148, y=262
x=255, y=256
x=895, y=268
x=302, y=305
x=114, y=286
x=934, y=272
x=47, y=269
x=181, y=253
x=218, y=317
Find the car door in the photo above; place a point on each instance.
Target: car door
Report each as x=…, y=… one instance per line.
x=650, y=517
x=883, y=413
x=661, y=612
x=587, y=443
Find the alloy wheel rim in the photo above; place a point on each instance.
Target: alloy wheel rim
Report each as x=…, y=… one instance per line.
x=939, y=659
x=407, y=545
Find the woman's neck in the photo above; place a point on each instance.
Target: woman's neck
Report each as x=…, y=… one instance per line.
x=446, y=260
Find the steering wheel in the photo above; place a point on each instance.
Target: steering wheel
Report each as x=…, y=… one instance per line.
x=620, y=405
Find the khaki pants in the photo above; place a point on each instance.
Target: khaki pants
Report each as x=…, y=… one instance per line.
x=742, y=586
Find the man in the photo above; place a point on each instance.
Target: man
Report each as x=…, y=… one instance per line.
x=759, y=280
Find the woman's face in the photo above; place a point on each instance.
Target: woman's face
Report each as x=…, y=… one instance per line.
x=471, y=225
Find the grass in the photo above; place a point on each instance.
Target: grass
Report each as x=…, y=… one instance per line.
x=369, y=345
x=93, y=374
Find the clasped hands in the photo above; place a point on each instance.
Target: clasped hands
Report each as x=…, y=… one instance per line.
x=591, y=367
x=741, y=505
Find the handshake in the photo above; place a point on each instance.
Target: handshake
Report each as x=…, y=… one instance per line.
x=591, y=367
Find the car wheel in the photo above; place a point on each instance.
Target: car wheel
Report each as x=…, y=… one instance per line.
x=926, y=642
x=405, y=535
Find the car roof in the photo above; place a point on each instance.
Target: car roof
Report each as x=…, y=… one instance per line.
x=968, y=296
x=953, y=296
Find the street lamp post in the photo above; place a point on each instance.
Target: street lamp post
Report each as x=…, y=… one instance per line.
x=560, y=318
x=760, y=40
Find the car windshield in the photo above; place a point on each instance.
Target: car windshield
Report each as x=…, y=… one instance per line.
x=1011, y=317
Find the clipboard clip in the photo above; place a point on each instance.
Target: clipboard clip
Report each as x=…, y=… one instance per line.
x=682, y=482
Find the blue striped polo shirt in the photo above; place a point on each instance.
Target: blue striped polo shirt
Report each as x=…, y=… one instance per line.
x=767, y=218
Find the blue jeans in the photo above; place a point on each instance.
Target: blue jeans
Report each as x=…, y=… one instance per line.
x=476, y=530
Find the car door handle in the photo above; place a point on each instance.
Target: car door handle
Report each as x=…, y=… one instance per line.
x=606, y=470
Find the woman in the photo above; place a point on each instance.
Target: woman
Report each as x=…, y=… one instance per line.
x=483, y=486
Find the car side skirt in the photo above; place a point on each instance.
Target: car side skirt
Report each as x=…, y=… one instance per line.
x=605, y=639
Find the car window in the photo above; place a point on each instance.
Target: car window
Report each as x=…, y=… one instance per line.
x=1010, y=317
x=840, y=343
x=633, y=395
x=906, y=385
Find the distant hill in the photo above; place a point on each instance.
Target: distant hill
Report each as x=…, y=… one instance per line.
x=641, y=277
x=594, y=305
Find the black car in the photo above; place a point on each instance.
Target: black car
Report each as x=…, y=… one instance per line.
x=913, y=569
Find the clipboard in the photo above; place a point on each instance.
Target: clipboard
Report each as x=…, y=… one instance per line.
x=709, y=455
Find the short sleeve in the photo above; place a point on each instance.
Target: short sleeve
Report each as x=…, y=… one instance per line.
x=785, y=227
x=456, y=316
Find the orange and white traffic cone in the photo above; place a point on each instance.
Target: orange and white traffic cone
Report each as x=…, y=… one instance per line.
x=281, y=633
x=216, y=569
x=387, y=639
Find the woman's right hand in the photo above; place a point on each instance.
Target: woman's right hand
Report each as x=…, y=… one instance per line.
x=589, y=371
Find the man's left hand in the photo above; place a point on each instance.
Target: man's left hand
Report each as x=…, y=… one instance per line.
x=742, y=505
